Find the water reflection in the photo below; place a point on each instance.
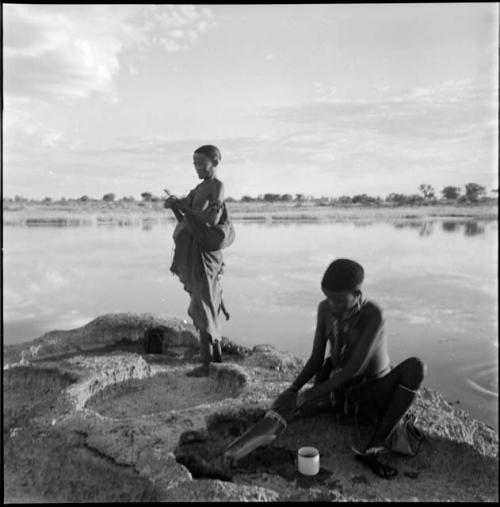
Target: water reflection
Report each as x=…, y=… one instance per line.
x=474, y=229
x=470, y=227
x=424, y=228
x=450, y=226
x=271, y=283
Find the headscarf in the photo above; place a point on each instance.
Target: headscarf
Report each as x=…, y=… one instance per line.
x=343, y=274
x=211, y=151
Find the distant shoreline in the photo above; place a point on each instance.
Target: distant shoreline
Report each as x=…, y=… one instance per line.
x=131, y=213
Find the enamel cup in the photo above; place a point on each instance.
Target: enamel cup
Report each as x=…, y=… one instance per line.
x=308, y=460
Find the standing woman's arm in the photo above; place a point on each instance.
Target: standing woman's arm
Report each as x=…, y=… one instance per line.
x=176, y=205
x=212, y=214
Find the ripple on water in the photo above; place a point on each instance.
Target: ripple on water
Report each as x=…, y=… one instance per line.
x=484, y=381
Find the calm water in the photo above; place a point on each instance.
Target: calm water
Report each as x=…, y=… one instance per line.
x=436, y=283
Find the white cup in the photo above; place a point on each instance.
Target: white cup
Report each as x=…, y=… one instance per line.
x=308, y=460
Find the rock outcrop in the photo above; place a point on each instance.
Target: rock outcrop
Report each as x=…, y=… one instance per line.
x=88, y=416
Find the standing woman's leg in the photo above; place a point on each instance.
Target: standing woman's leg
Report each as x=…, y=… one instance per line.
x=206, y=350
x=394, y=394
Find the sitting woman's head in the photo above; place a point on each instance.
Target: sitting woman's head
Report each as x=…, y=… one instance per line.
x=205, y=160
x=341, y=284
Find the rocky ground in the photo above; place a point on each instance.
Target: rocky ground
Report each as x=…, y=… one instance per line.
x=89, y=417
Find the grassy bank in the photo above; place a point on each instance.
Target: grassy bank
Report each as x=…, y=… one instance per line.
x=132, y=213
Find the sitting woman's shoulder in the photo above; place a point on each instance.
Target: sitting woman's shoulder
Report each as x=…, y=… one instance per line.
x=324, y=306
x=372, y=309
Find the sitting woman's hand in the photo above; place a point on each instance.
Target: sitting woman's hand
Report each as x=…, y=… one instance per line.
x=286, y=402
x=306, y=396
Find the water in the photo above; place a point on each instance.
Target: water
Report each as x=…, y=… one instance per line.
x=436, y=283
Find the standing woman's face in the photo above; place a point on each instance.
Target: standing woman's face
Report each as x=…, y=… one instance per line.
x=204, y=166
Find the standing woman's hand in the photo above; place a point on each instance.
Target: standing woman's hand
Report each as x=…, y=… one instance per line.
x=170, y=201
x=181, y=205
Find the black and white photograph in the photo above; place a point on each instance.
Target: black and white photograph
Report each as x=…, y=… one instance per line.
x=250, y=252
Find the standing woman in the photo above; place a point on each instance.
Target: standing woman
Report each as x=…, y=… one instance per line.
x=203, y=228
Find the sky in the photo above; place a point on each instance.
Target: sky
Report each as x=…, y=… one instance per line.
x=321, y=99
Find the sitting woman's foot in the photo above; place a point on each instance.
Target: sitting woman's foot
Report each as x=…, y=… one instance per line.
x=199, y=371
x=370, y=458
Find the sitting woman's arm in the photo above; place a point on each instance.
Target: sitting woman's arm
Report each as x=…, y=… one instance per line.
x=317, y=356
x=286, y=402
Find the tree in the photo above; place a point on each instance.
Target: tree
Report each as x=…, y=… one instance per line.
x=247, y=198
x=146, y=196
x=450, y=192
x=286, y=198
x=299, y=197
x=47, y=200
x=271, y=197
x=414, y=199
x=428, y=191
x=84, y=198
x=473, y=192
x=364, y=199
x=397, y=198
x=108, y=197
x=344, y=199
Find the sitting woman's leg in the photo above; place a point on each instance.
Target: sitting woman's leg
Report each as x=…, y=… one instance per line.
x=394, y=394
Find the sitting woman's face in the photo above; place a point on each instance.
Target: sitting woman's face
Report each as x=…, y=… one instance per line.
x=204, y=166
x=341, y=300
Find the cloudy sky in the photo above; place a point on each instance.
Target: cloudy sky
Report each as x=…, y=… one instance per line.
x=316, y=99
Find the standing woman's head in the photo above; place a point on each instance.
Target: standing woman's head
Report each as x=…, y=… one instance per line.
x=205, y=160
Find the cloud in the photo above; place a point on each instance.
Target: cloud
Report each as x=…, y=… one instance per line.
x=453, y=110
x=172, y=27
x=71, y=51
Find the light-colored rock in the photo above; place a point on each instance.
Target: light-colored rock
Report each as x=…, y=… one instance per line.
x=208, y=490
x=100, y=372
x=266, y=356
x=229, y=378
x=104, y=331
x=87, y=419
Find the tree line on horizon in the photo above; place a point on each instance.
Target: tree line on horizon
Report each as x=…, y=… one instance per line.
x=473, y=192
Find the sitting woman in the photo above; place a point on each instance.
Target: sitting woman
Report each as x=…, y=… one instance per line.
x=203, y=228
x=357, y=374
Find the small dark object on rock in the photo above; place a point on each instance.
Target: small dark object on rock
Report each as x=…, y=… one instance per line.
x=412, y=474
x=193, y=436
x=153, y=338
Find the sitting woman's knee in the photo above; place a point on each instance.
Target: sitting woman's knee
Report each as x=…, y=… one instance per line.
x=414, y=371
